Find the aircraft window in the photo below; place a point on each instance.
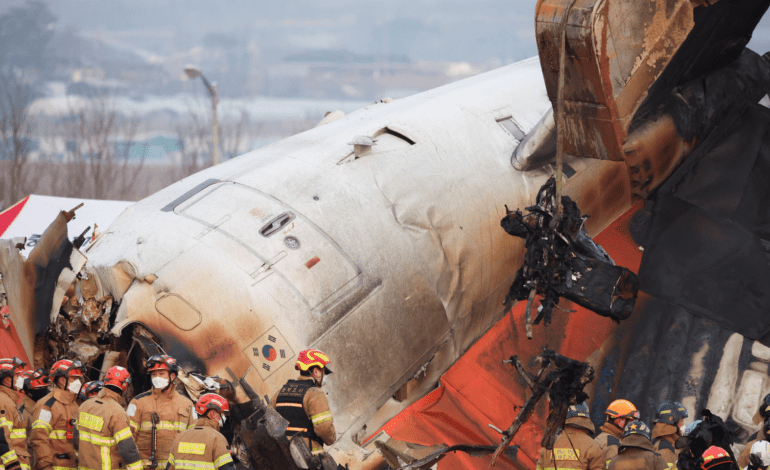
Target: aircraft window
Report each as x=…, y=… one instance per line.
x=276, y=224
x=509, y=125
x=569, y=172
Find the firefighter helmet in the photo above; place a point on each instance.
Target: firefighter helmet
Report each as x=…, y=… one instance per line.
x=38, y=379
x=764, y=407
x=117, y=377
x=578, y=411
x=66, y=368
x=691, y=427
x=622, y=409
x=211, y=401
x=670, y=412
x=762, y=450
x=162, y=362
x=715, y=456
x=8, y=367
x=90, y=389
x=637, y=427
x=312, y=358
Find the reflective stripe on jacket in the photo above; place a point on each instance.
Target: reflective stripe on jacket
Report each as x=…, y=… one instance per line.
x=175, y=414
x=573, y=450
x=105, y=440
x=15, y=430
x=201, y=447
x=53, y=414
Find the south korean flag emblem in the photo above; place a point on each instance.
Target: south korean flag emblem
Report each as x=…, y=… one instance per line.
x=269, y=353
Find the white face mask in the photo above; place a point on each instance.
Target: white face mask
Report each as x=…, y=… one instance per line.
x=222, y=420
x=74, y=387
x=19, y=383
x=159, y=382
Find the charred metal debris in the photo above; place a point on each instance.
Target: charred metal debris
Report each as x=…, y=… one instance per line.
x=563, y=384
x=563, y=261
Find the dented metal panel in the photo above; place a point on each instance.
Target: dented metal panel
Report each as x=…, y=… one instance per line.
x=615, y=52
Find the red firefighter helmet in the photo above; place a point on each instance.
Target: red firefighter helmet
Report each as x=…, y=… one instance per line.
x=312, y=358
x=66, y=368
x=8, y=367
x=715, y=456
x=90, y=389
x=38, y=379
x=162, y=362
x=117, y=377
x=211, y=401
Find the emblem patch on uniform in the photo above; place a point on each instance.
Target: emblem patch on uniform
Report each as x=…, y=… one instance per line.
x=566, y=454
x=269, y=352
x=90, y=421
x=192, y=448
x=45, y=416
x=131, y=410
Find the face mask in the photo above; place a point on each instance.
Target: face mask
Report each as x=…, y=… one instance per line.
x=19, y=383
x=222, y=420
x=74, y=387
x=159, y=382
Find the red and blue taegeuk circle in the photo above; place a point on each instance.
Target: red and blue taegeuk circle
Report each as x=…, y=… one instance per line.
x=269, y=353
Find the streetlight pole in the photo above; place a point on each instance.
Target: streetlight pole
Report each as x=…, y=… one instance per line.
x=194, y=72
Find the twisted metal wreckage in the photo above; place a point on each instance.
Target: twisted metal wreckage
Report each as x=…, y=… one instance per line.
x=651, y=99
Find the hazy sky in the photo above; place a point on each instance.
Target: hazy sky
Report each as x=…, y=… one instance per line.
x=470, y=30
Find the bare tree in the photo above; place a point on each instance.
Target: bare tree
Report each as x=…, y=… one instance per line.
x=235, y=136
x=103, y=159
x=195, y=152
x=15, y=132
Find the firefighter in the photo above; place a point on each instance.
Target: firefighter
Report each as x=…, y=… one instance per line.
x=304, y=405
x=90, y=390
x=54, y=419
x=635, y=451
x=669, y=421
x=103, y=434
x=36, y=386
x=761, y=435
x=14, y=429
x=574, y=449
x=159, y=415
x=618, y=414
x=759, y=456
x=202, y=446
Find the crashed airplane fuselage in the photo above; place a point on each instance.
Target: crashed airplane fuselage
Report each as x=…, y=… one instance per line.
x=392, y=261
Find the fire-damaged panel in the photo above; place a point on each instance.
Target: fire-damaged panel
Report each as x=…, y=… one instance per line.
x=707, y=232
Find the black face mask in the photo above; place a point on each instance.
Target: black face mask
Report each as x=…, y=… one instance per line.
x=37, y=393
x=766, y=427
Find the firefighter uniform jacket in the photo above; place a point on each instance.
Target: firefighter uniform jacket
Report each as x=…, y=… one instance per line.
x=104, y=436
x=14, y=429
x=26, y=407
x=7, y=455
x=54, y=418
x=664, y=438
x=743, y=458
x=609, y=440
x=636, y=453
x=306, y=408
x=574, y=449
x=174, y=414
x=201, y=447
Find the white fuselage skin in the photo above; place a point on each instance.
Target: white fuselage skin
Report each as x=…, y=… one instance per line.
x=393, y=263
